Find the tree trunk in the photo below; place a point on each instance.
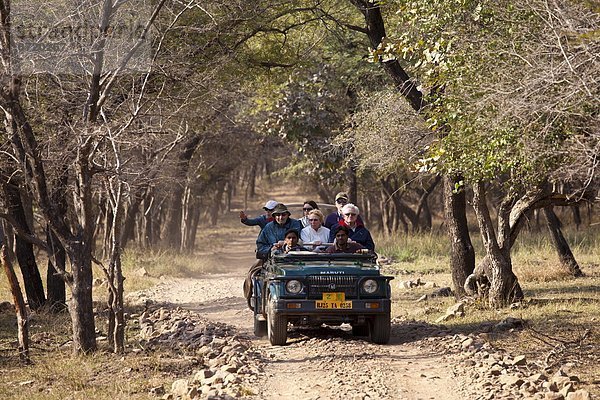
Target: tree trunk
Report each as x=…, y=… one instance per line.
x=353, y=187
x=116, y=322
x=229, y=198
x=462, y=254
x=57, y=296
x=172, y=227
x=131, y=215
x=576, y=216
x=385, y=224
x=147, y=218
x=216, y=203
x=565, y=256
x=423, y=213
x=188, y=224
x=108, y=227
x=21, y=311
x=32, y=279
x=81, y=305
x=251, y=189
x=57, y=260
x=504, y=286
x=462, y=257
x=376, y=33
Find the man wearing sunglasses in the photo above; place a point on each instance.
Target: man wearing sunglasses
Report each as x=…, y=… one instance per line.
x=356, y=229
x=341, y=199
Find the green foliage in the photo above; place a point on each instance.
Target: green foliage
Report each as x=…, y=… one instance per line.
x=310, y=111
x=386, y=133
x=509, y=84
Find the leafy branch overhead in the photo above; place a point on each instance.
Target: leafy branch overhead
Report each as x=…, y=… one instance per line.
x=515, y=82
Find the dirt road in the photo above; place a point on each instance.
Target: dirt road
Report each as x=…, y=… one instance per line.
x=317, y=364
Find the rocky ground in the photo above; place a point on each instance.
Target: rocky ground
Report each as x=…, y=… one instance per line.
x=207, y=321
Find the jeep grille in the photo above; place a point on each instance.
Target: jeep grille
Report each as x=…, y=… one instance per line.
x=319, y=284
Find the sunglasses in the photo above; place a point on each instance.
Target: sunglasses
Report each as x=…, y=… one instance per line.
x=341, y=201
x=350, y=214
x=308, y=209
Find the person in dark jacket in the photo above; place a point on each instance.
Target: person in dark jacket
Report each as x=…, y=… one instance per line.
x=274, y=232
x=261, y=220
x=357, y=230
x=342, y=245
x=341, y=199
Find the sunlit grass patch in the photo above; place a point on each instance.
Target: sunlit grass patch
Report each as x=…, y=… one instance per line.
x=540, y=270
x=138, y=262
x=56, y=374
x=425, y=253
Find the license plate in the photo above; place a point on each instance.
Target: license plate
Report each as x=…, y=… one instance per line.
x=333, y=301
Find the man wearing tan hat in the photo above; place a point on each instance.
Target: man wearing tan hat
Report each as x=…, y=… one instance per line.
x=341, y=199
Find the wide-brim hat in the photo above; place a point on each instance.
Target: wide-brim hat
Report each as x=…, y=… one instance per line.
x=280, y=208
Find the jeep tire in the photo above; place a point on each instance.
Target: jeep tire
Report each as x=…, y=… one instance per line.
x=379, y=329
x=276, y=327
x=260, y=327
x=360, y=330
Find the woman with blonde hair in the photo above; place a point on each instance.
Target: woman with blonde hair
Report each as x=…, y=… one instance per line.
x=315, y=232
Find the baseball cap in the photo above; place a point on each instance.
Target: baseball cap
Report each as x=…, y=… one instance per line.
x=341, y=195
x=269, y=205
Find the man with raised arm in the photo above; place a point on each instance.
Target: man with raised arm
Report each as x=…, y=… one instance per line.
x=261, y=220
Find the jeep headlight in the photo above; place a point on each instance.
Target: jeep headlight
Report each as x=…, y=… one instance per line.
x=293, y=286
x=370, y=286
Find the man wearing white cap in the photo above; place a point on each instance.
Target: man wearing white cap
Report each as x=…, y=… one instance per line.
x=262, y=220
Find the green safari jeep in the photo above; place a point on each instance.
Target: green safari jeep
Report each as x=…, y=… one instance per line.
x=306, y=288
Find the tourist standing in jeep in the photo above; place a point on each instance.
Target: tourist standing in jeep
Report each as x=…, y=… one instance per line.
x=341, y=199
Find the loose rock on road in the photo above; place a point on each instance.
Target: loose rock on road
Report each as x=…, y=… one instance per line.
x=208, y=318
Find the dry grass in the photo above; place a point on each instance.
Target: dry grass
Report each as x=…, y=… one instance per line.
x=562, y=315
x=562, y=312
x=56, y=374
